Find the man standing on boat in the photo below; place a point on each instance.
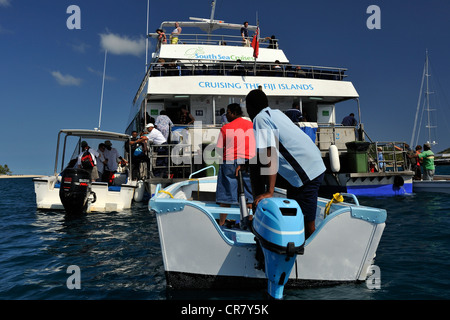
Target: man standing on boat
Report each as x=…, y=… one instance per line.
x=428, y=162
x=236, y=143
x=155, y=137
x=93, y=159
x=244, y=35
x=286, y=156
x=175, y=33
x=111, y=162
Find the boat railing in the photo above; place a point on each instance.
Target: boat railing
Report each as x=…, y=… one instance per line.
x=389, y=156
x=226, y=68
x=171, y=160
x=213, y=39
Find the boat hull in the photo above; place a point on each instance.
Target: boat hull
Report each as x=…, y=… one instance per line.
x=197, y=253
x=368, y=184
x=116, y=198
x=436, y=186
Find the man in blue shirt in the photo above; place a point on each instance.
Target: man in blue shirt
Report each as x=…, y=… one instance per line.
x=294, y=113
x=349, y=121
x=284, y=149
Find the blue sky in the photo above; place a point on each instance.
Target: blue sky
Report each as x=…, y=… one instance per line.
x=51, y=77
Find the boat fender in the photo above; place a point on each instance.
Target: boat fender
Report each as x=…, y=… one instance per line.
x=398, y=181
x=334, y=158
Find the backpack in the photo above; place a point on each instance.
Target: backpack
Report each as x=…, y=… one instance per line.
x=86, y=160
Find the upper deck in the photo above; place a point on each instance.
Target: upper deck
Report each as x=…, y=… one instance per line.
x=223, y=64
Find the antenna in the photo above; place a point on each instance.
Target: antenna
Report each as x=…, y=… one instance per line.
x=103, y=86
x=146, y=39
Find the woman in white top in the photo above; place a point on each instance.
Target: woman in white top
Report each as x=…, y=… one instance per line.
x=175, y=33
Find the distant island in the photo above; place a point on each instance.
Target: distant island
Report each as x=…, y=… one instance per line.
x=4, y=169
x=5, y=172
x=5, y=176
x=446, y=151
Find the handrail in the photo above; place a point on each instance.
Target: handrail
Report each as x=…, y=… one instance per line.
x=200, y=67
x=203, y=169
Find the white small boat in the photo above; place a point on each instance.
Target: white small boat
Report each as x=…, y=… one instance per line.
x=440, y=184
x=104, y=197
x=198, y=253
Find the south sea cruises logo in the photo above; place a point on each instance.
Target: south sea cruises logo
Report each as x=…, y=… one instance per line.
x=199, y=53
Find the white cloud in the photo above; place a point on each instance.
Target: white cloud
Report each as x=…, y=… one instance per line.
x=5, y=3
x=122, y=45
x=80, y=47
x=65, y=79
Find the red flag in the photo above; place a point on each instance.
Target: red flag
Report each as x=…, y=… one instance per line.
x=255, y=43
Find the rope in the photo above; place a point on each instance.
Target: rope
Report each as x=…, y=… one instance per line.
x=166, y=192
x=337, y=197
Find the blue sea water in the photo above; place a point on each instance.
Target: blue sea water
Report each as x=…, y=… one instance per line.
x=120, y=258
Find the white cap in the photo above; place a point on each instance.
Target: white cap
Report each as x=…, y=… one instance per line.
x=150, y=125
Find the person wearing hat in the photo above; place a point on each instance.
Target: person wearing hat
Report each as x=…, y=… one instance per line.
x=155, y=137
x=112, y=158
x=94, y=154
x=428, y=162
x=161, y=37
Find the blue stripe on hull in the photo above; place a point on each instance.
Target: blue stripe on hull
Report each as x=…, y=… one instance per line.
x=380, y=190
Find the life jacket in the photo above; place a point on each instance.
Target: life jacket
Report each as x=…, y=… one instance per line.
x=86, y=160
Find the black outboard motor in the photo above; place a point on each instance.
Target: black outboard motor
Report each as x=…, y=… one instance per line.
x=75, y=190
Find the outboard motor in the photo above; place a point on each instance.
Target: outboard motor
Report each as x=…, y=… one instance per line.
x=279, y=228
x=75, y=190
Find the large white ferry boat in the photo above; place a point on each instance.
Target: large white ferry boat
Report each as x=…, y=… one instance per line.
x=205, y=71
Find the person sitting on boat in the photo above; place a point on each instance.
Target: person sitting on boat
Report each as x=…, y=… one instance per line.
x=175, y=33
x=185, y=116
x=287, y=157
x=236, y=143
x=244, y=35
x=91, y=168
x=112, y=159
x=159, y=69
x=273, y=43
x=238, y=68
x=427, y=157
x=155, y=137
x=349, y=120
x=161, y=37
x=294, y=113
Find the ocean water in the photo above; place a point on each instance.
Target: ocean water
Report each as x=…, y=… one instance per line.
x=120, y=258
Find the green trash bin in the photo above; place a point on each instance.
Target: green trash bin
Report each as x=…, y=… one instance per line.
x=357, y=156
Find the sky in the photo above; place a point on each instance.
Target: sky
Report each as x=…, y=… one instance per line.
x=51, y=75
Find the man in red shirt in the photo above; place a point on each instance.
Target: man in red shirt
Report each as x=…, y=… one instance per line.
x=237, y=143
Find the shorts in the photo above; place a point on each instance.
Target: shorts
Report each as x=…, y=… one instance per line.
x=227, y=185
x=306, y=197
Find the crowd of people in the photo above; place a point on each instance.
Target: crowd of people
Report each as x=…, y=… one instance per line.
x=267, y=147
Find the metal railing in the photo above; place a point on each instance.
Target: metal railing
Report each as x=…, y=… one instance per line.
x=170, y=160
x=389, y=156
x=220, y=39
x=245, y=69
